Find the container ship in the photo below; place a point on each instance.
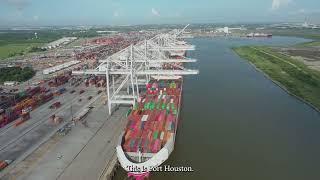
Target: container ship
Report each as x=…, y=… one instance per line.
x=149, y=136
x=152, y=121
x=252, y=35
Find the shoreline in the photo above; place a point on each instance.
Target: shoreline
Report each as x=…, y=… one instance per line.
x=277, y=83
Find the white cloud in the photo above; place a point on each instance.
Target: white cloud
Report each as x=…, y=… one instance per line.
x=276, y=4
x=155, y=12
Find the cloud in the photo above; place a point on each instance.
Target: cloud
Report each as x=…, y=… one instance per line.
x=18, y=4
x=276, y=4
x=155, y=12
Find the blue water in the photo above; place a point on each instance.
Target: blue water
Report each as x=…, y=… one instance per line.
x=236, y=124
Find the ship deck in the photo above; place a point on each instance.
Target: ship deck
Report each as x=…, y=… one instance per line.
x=153, y=120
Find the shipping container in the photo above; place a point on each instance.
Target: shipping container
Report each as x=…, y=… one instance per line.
x=151, y=121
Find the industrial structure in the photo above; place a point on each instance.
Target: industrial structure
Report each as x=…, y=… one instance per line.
x=56, y=102
x=158, y=64
x=136, y=64
x=59, y=67
x=59, y=42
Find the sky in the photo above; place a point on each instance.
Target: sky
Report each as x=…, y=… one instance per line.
x=129, y=12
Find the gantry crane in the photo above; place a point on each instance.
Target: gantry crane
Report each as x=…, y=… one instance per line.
x=137, y=64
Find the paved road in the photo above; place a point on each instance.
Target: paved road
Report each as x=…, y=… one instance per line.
x=84, y=152
x=14, y=141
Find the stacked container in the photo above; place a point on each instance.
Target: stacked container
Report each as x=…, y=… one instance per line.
x=152, y=121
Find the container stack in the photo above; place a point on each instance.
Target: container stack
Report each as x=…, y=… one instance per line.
x=153, y=120
x=25, y=101
x=59, y=80
x=60, y=91
x=13, y=105
x=96, y=81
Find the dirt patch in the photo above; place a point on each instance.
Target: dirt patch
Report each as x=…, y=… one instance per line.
x=309, y=56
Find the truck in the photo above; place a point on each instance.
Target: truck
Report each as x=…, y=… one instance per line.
x=82, y=114
x=55, y=105
x=55, y=119
x=60, y=91
x=4, y=164
x=64, y=130
x=24, y=117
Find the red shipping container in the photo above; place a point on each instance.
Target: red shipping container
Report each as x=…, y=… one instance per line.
x=150, y=135
x=137, y=125
x=128, y=134
x=144, y=145
x=132, y=124
x=144, y=134
x=170, y=118
x=161, y=125
x=127, y=145
x=136, y=144
x=156, y=146
x=151, y=144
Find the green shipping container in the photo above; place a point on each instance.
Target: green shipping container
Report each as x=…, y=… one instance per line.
x=175, y=112
x=21, y=94
x=163, y=106
x=155, y=135
x=168, y=107
x=128, y=113
x=152, y=105
x=135, y=107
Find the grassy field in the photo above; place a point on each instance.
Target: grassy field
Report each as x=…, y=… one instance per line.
x=11, y=50
x=297, y=78
x=15, y=43
x=313, y=34
x=309, y=44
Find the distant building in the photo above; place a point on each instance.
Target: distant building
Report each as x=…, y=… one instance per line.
x=111, y=32
x=59, y=67
x=59, y=42
x=10, y=83
x=227, y=30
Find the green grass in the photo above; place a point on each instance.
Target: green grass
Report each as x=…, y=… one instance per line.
x=11, y=50
x=303, y=33
x=309, y=44
x=297, y=78
x=15, y=43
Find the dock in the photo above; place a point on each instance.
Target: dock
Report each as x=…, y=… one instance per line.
x=78, y=140
x=84, y=153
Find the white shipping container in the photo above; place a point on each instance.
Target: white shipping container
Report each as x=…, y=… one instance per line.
x=162, y=135
x=144, y=118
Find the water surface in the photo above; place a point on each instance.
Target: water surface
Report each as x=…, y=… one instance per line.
x=236, y=124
